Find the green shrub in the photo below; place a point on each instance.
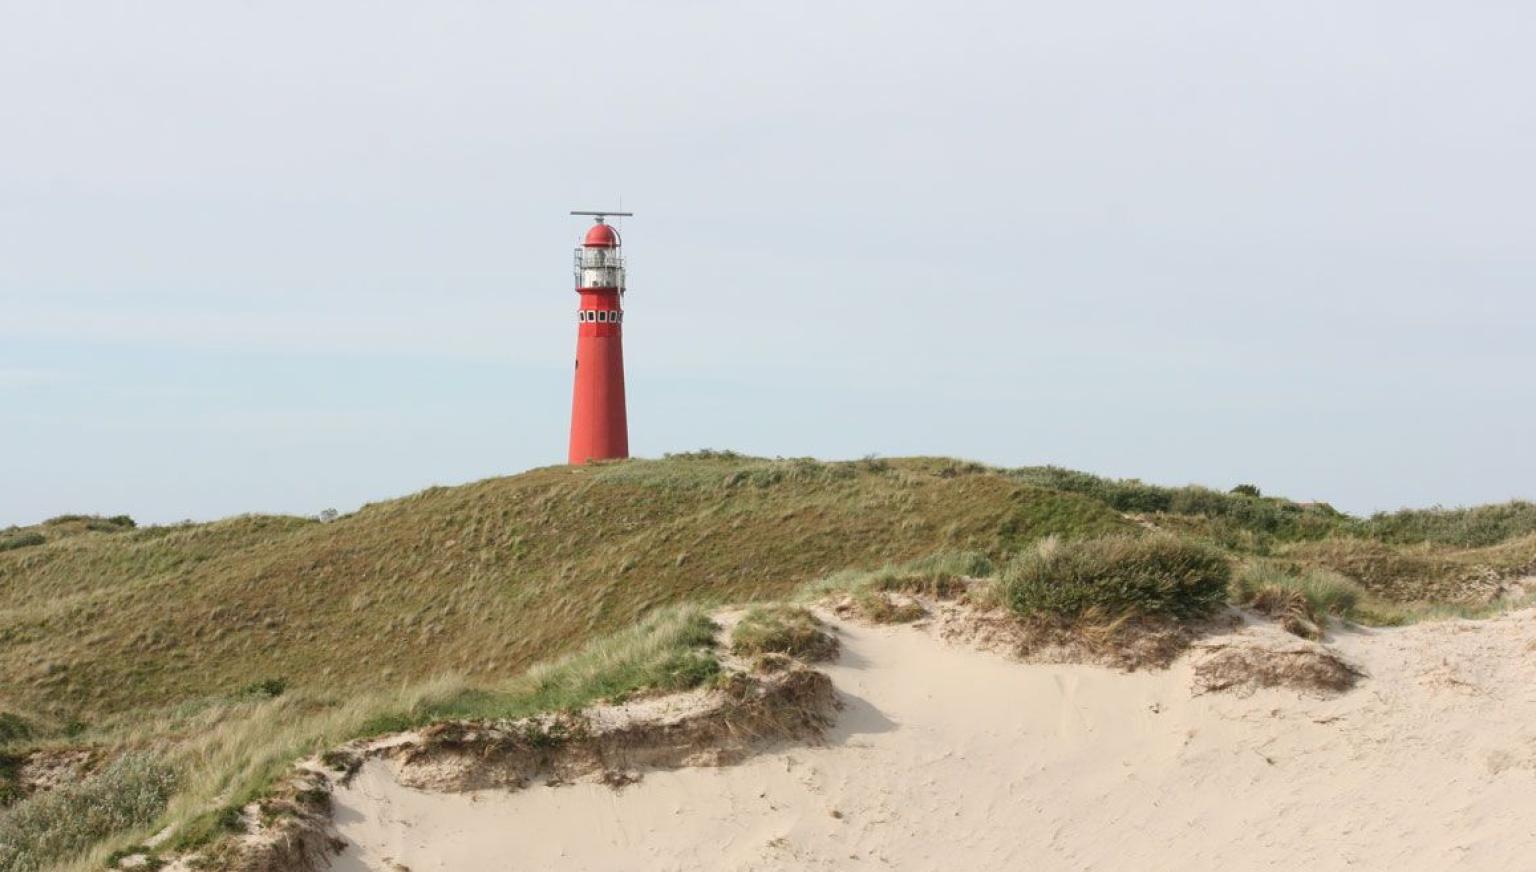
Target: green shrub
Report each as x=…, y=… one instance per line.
x=782, y=629
x=267, y=687
x=1247, y=490
x=10, y=778
x=52, y=826
x=13, y=728
x=703, y=454
x=22, y=540
x=1476, y=527
x=1115, y=577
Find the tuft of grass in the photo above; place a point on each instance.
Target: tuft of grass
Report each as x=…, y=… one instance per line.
x=1117, y=577
x=782, y=629
x=56, y=825
x=941, y=575
x=879, y=607
x=1326, y=592
x=1303, y=599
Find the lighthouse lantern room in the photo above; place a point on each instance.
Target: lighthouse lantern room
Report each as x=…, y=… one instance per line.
x=599, y=430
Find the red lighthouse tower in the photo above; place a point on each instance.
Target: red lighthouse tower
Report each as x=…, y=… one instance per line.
x=599, y=430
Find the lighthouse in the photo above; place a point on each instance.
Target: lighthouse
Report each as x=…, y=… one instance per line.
x=599, y=430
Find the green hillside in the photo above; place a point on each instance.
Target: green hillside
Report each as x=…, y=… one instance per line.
x=223, y=650
x=481, y=579
x=98, y=617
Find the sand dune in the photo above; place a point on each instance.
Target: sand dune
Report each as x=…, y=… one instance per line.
x=946, y=757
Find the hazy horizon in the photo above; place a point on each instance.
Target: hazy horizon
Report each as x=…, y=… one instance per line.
x=283, y=258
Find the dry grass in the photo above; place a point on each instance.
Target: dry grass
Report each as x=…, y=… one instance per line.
x=1249, y=666
x=1420, y=574
x=881, y=607
x=783, y=629
x=1302, y=599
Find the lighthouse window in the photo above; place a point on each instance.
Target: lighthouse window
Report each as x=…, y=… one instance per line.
x=602, y=317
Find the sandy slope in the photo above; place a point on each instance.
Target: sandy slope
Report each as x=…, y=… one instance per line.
x=950, y=758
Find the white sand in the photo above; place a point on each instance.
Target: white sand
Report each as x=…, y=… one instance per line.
x=949, y=758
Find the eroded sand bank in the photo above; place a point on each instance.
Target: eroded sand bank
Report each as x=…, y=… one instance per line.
x=948, y=758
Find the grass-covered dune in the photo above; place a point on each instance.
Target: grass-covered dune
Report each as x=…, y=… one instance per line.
x=98, y=617
x=482, y=579
x=202, y=659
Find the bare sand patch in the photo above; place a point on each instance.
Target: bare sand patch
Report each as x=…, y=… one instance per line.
x=947, y=757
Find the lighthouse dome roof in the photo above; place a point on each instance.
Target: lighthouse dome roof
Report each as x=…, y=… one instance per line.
x=601, y=236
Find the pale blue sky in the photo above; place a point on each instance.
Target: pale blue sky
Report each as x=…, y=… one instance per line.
x=288, y=256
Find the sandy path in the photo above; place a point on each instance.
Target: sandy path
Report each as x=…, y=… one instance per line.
x=949, y=758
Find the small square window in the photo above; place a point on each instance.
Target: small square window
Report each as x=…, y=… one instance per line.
x=602, y=317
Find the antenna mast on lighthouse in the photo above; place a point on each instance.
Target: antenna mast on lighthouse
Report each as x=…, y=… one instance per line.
x=599, y=429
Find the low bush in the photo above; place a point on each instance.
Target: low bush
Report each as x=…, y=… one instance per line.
x=1242, y=509
x=10, y=778
x=22, y=540
x=780, y=629
x=1476, y=527
x=40, y=831
x=13, y=727
x=1117, y=577
x=267, y=687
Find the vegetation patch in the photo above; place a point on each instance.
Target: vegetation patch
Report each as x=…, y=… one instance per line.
x=53, y=826
x=1302, y=599
x=943, y=575
x=1403, y=574
x=1247, y=665
x=1475, y=527
x=11, y=790
x=21, y=540
x=1117, y=578
x=452, y=597
x=794, y=702
x=13, y=728
x=783, y=629
x=881, y=607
